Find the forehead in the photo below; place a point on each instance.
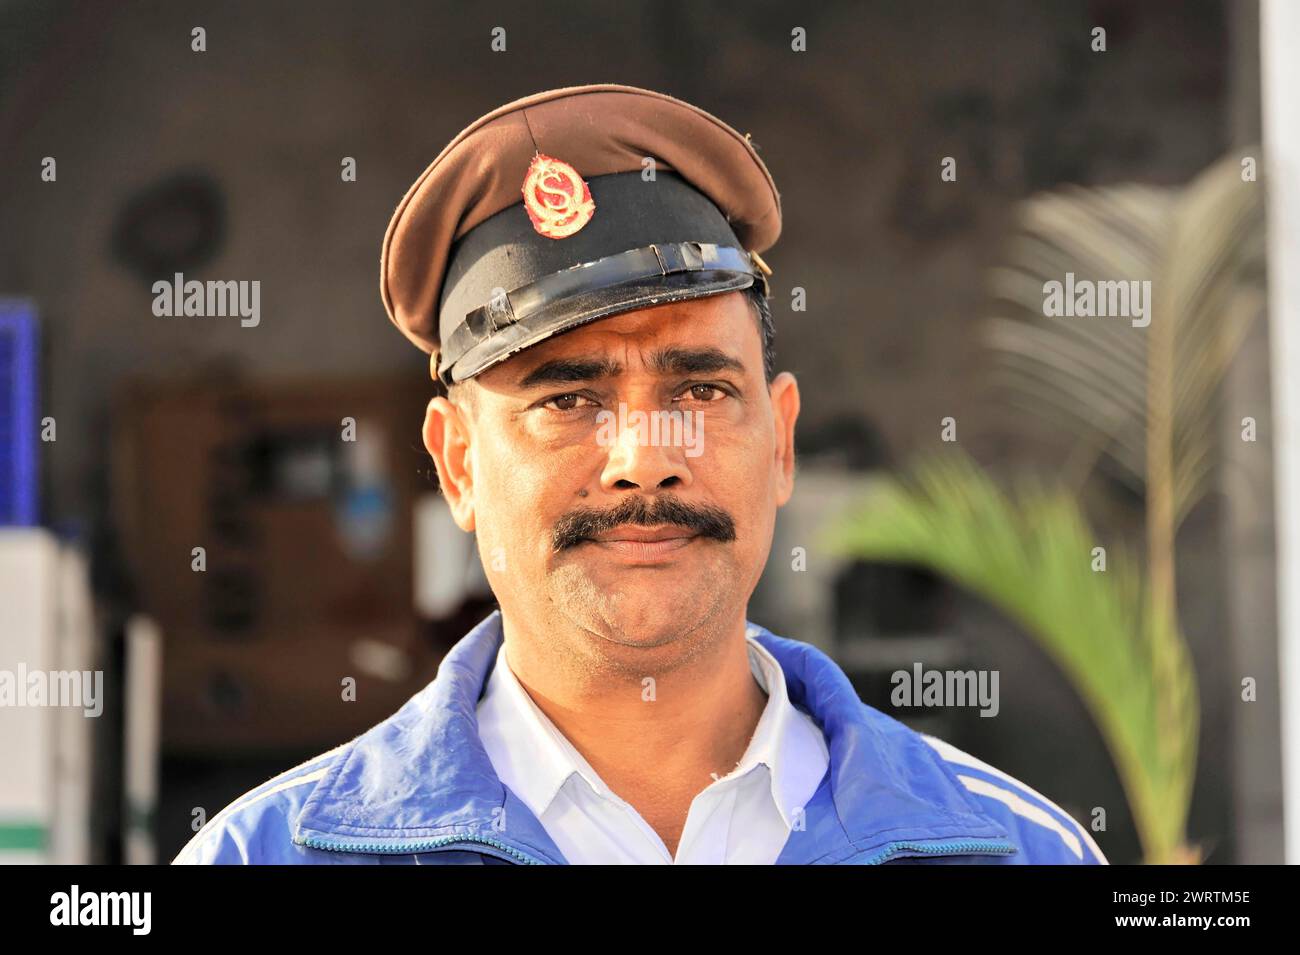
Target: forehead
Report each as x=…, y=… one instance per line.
x=724, y=323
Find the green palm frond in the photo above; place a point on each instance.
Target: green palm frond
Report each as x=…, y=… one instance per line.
x=1202, y=248
x=1031, y=557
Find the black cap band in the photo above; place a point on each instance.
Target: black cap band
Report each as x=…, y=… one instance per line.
x=627, y=270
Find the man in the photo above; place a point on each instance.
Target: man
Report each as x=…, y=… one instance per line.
x=583, y=267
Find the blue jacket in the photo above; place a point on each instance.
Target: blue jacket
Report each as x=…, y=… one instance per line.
x=419, y=788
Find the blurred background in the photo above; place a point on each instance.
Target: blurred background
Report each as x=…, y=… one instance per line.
x=128, y=439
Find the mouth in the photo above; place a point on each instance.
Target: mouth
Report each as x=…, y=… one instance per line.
x=644, y=544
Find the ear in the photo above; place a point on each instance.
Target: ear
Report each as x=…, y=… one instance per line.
x=784, y=392
x=449, y=442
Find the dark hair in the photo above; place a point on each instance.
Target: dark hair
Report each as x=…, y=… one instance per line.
x=461, y=395
x=766, y=328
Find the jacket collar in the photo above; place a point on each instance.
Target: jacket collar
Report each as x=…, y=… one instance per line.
x=421, y=780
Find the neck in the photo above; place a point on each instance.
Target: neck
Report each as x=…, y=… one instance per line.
x=656, y=739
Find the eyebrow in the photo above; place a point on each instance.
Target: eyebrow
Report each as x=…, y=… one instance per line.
x=672, y=360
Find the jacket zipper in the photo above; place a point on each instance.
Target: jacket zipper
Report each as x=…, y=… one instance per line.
x=968, y=847
x=473, y=843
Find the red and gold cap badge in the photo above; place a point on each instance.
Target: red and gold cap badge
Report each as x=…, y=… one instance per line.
x=556, y=197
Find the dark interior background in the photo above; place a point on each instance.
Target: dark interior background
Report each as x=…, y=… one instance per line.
x=246, y=141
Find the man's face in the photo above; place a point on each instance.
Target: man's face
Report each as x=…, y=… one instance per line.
x=588, y=513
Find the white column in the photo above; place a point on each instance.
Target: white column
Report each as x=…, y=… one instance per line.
x=1280, y=65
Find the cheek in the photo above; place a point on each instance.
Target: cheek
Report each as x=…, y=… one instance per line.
x=738, y=477
x=739, y=461
x=745, y=482
x=523, y=493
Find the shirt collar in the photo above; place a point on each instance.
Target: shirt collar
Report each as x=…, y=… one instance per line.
x=552, y=758
x=791, y=748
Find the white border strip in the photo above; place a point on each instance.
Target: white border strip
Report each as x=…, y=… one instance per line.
x=1280, y=71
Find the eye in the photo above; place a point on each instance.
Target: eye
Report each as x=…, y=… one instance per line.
x=563, y=403
x=706, y=392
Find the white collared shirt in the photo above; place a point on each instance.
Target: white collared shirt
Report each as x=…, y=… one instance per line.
x=744, y=817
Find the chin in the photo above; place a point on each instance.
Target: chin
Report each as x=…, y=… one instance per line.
x=626, y=619
x=642, y=626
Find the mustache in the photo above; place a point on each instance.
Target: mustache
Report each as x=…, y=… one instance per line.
x=583, y=524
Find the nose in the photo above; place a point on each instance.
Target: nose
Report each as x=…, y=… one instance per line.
x=641, y=459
